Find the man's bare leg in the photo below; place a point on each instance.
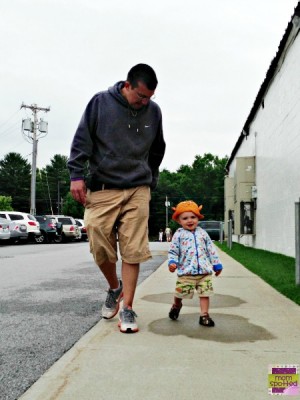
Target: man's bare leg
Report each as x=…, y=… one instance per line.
x=109, y=270
x=130, y=274
x=115, y=292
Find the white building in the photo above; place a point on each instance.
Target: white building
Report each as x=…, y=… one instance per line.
x=263, y=171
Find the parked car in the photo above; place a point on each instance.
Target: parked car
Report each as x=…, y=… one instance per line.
x=18, y=232
x=82, y=229
x=213, y=228
x=48, y=228
x=33, y=226
x=70, y=230
x=4, y=230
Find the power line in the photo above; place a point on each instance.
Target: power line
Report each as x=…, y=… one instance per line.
x=15, y=146
x=9, y=118
x=10, y=128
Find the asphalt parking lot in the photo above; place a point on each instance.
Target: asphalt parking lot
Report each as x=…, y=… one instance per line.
x=51, y=295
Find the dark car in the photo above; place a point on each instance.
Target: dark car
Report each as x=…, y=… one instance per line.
x=48, y=228
x=213, y=228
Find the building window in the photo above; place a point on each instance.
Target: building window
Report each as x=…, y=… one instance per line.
x=247, y=217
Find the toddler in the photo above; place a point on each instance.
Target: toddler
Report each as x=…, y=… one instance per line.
x=194, y=255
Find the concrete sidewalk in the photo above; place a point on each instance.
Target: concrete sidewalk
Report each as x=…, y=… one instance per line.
x=255, y=327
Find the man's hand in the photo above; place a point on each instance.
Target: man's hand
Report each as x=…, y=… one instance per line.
x=78, y=191
x=172, y=267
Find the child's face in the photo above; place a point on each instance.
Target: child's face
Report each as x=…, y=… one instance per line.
x=188, y=220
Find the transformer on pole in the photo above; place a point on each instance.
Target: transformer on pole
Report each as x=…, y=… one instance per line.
x=30, y=128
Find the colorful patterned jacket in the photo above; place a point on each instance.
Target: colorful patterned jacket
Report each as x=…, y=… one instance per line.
x=193, y=253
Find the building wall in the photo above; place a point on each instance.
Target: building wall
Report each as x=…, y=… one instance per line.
x=274, y=140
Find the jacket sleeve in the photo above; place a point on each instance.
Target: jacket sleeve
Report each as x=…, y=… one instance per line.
x=156, y=154
x=174, y=250
x=82, y=144
x=212, y=254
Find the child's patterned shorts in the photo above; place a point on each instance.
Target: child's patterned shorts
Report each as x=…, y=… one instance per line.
x=187, y=284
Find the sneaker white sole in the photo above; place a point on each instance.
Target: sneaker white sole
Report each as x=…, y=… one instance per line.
x=127, y=329
x=109, y=316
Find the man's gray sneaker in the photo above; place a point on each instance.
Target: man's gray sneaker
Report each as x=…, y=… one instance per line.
x=112, y=302
x=127, y=323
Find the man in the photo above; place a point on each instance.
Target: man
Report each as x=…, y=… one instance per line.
x=121, y=136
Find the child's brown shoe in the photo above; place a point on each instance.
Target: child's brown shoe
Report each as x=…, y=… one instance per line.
x=174, y=312
x=205, y=320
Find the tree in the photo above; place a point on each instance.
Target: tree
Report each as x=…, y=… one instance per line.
x=15, y=180
x=53, y=183
x=207, y=184
x=72, y=207
x=168, y=187
x=202, y=182
x=53, y=186
x=5, y=203
x=44, y=200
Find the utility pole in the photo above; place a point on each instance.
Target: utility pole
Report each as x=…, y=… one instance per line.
x=33, y=135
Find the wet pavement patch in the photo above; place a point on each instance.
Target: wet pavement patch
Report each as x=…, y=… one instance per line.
x=228, y=329
x=216, y=301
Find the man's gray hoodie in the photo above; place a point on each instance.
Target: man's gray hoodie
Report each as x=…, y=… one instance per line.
x=123, y=147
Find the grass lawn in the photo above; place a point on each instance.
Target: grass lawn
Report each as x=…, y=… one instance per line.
x=276, y=269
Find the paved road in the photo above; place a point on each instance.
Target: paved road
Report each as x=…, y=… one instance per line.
x=50, y=295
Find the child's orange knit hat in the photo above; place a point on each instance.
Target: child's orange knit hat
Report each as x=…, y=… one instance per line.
x=184, y=206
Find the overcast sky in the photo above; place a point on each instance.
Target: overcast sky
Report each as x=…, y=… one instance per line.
x=210, y=57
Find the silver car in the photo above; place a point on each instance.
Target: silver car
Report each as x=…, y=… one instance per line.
x=4, y=229
x=18, y=232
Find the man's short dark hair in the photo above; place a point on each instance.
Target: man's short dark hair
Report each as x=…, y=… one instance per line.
x=143, y=73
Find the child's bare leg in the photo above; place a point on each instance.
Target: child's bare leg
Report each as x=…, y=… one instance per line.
x=204, y=305
x=205, y=319
x=177, y=302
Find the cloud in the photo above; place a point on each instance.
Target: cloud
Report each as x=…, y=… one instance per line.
x=210, y=58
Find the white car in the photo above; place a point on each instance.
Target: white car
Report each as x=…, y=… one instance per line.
x=82, y=229
x=33, y=226
x=70, y=230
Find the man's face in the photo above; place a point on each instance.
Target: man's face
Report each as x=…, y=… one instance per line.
x=139, y=96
